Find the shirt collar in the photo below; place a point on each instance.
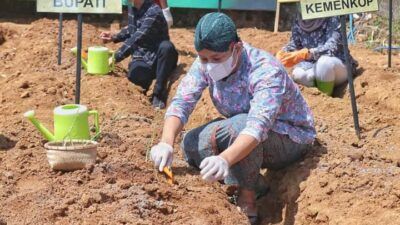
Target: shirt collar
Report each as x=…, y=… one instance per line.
x=146, y=5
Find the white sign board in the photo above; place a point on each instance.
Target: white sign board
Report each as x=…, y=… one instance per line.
x=80, y=6
x=311, y=9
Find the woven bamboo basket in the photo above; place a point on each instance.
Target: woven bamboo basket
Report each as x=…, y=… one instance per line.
x=71, y=155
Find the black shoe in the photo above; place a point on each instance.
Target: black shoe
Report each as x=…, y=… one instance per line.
x=158, y=103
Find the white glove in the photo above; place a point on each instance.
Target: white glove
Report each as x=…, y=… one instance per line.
x=168, y=16
x=162, y=155
x=214, y=168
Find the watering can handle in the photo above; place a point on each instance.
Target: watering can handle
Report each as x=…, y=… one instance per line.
x=112, y=66
x=96, y=122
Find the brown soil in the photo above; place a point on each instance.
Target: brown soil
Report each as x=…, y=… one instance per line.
x=343, y=180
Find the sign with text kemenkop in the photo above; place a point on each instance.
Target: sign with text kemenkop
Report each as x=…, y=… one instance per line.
x=80, y=6
x=311, y=9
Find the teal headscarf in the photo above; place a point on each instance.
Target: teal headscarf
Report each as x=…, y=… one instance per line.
x=215, y=32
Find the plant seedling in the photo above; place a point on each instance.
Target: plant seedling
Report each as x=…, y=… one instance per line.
x=170, y=176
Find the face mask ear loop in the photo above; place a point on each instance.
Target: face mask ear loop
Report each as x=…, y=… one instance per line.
x=237, y=57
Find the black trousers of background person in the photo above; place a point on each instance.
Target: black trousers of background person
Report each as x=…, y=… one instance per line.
x=142, y=74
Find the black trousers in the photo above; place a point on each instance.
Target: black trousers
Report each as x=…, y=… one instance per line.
x=142, y=74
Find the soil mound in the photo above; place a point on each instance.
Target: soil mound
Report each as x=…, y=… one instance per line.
x=342, y=180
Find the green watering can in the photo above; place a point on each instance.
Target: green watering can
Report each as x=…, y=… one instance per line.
x=71, y=122
x=97, y=61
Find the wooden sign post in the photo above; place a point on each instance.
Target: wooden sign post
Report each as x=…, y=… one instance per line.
x=79, y=7
x=312, y=9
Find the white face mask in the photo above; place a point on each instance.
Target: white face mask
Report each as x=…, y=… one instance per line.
x=219, y=71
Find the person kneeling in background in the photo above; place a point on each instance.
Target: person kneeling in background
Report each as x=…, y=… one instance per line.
x=165, y=9
x=317, y=53
x=146, y=39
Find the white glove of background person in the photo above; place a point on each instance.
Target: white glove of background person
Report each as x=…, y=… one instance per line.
x=162, y=155
x=168, y=16
x=214, y=168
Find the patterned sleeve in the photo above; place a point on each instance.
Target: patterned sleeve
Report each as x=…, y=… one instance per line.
x=295, y=40
x=269, y=87
x=189, y=92
x=121, y=36
x=331, y=46
x=145, y=31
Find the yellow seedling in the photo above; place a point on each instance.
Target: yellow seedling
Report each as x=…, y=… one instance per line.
x=170, y=176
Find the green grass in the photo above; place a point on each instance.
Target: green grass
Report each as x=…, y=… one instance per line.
x=381, y=37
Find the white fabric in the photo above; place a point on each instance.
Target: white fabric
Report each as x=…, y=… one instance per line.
x=162, y=155
x=326, y=69
x=330, y=69
x=168, y=16
x=304, y=77
x=214, y=168
x=219, y=71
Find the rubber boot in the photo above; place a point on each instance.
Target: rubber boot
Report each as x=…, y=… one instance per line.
x=326, y=86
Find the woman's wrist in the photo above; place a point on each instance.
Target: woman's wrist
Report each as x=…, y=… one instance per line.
x=172, y=127
x=240, y=148
x=225, y=155
x=310, y=54
x=168, y=140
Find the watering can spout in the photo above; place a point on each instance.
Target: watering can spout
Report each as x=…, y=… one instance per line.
x=84, y=63
x=30, y=115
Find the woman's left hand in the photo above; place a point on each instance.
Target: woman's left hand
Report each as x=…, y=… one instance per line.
x=214, y=168
x=111, y=60
x=289, y=59
x=106, y=36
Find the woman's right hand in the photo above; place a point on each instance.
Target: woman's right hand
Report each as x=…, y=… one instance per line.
x=162, y=155
x=106, y=36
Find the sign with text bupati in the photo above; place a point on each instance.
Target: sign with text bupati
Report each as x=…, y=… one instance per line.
x=311, y=9
x=80, y=6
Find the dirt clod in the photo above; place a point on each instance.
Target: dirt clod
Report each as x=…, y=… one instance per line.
x=124, y=185
x=89, y=199
x=3, y=221
x=321, y=218
x=51, y=91
x=24, y=85
x=356, y=155
x=8, y=175
x=102, y=155
x=323, y=183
